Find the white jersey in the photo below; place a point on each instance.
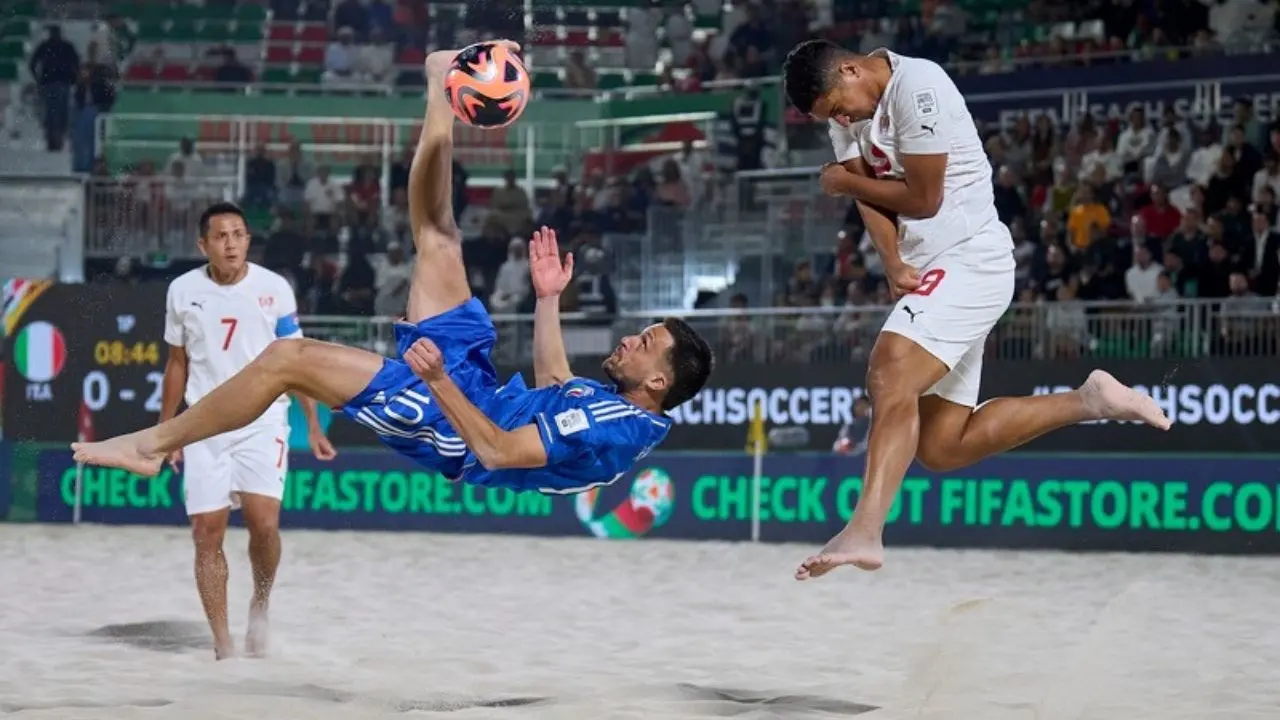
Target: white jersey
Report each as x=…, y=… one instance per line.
x=225, y=327
x=923, y=113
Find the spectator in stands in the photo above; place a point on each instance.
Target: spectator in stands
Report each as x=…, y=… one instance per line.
x=400, y=168
x=509, y=205
x=364, y=195
x=393, y=277
x=577, y=76
x=324, y=198
x=340, y=57
x=375, y=60
x=356, y=285
x=1140, y=280
x=678, y=32
x=1008, y=196
x=395, y=219
x=1204, y=159
x=511, y=288
x=1248, y=158
x=382, y=16
x=193, y=164
x=672, y=191
x=1136, y=142
x=93, y=96
x=286, y=246
x=1265, y=203
x=1224, y=184
x=1160, y=217
x=351, y=17
x=1262, y=259
x=1267, y=177
x=616, y=216
x=55, y=65
x=1215, y=275
x=642, y=21
x=109, y=45
x=259, y=179
x=1102, y=159
x=1168, y=166
x=231, y=72
x=293, y=173
x=1067, y=323
x=592, y=271
x=1238, y=322
x=316, y=286
x=1087, y=219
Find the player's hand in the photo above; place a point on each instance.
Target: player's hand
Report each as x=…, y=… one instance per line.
x=903, y=279
x=832, y=178
x=321, y=448
x=425, y=360
x=175, y=460
x=549, y=274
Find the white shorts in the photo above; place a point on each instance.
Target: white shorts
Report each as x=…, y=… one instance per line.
x=963, y=294
x=253, y=459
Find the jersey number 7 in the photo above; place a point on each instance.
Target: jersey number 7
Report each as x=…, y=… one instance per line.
x=231, y=330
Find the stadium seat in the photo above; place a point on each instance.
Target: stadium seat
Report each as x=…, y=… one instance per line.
x=174, y=72
x=13, y=50
x=140, y=72
x=282, y=32
x=310, y=55
x=29, y=9
x=277, y=75
x=213, y=31
x=16, y=29
x=8, y=71
x=314, y=33
x=247, y=32
x=307, y=75
x=279, y=54
x=250, y=13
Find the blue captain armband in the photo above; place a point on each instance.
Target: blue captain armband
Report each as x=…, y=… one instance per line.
x=287, y=326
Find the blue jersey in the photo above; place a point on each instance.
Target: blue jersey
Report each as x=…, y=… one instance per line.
x=592, y=436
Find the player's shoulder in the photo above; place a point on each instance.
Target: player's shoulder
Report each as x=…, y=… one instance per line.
x=268, y=283
x=917, y=75
x=189, y=281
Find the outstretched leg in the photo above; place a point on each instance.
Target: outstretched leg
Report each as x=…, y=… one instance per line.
x=439, y=277
x=328, y=373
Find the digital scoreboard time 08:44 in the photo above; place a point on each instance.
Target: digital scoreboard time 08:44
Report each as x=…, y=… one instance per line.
x=110, y=358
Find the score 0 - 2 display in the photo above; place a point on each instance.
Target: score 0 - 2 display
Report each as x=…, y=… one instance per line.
x=84, y=359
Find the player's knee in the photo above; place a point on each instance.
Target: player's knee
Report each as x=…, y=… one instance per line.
x=207, y=532
x=262, y=528
x=939, y=457
x=282, y=355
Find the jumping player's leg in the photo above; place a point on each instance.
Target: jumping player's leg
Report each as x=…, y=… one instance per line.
x=439, y=277
x=946, y=433
x=328, y=373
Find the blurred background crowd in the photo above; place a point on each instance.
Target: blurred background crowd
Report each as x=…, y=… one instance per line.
x=1143, y=208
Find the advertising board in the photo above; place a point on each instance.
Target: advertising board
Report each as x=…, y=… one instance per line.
x=1213, y=504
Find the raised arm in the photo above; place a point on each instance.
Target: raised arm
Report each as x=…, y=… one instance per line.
x=549, y=275
x=494, y=447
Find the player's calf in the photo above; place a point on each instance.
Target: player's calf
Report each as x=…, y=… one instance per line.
x=208, y=532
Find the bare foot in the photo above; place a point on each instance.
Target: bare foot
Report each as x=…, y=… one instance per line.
x=864, y=553
x=1106, y=398
x=225, y=650
x=257, y=638
x=438, y=63
x=127, y=452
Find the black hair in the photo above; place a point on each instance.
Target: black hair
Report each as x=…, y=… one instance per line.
x=807, y=72
x=690, y=358
x=218, y=208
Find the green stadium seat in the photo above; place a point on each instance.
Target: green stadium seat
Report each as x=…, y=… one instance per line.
x=247, y=32
x=707, y=22
x=611, y=81
x=547, y=79
x=214, y=31
x=218, y=11
x=16, y=29
x=25, y=9
x=13, y=49
x=644, y=79
x=151, y=31
x=251, y=13
x=276, y=75
x=8, y=71
x=183, y=32
x=307, y=75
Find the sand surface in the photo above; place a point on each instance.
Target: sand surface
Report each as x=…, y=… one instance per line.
x=101, y=622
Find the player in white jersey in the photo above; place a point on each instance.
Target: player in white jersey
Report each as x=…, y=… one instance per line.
x=218, y=319
x=908, y=153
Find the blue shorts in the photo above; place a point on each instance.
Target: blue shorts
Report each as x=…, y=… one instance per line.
x=397, y=405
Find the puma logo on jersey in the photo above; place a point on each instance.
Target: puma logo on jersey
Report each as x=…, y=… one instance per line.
x=929, y=127
x=912, y=313
x=195, y=304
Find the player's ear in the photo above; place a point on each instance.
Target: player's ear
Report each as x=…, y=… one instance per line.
x=658, y=383
x=200, y=243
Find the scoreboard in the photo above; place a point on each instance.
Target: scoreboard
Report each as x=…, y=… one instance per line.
x=82, y=359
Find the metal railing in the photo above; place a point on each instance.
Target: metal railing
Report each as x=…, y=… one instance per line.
x=1234, y=327
x=149, y=216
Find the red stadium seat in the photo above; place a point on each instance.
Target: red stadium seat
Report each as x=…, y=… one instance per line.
x=282, y=32
x=577, y=38
x=279, y=54
x=412, y=56
x=545, y=37
x=175, y=73
x=140, y=72
x=310, y=55
x=314, y=33
x=611, y=39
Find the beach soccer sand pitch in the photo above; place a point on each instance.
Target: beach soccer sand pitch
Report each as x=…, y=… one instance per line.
x=103, y=622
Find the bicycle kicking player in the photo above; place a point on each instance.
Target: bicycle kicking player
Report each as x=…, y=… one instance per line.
x=442, y=404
